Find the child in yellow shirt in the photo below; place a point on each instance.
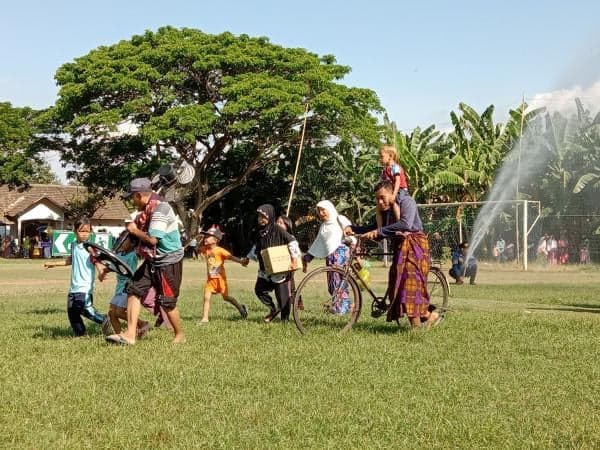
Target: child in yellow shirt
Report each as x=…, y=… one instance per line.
x=216, y=282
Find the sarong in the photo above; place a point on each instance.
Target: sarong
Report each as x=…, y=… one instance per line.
x=408, y=278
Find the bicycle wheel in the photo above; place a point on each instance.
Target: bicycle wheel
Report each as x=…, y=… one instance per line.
x=315, y=307
x=437, y=286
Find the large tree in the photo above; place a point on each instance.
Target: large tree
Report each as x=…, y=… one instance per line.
x=19, y=162
x=228, y=105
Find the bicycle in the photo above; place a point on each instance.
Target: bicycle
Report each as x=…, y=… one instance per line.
x=324, y=288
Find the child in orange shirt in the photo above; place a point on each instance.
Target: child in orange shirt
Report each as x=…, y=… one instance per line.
x=216, y=282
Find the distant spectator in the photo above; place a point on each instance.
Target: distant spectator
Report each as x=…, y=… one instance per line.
x=584, y=252
x=542, y=247
x=461, y=267
x=509, y=252
x=26, y=247
x=563, y=251
x=499, y=249
x=193, y=248
x=552, y=245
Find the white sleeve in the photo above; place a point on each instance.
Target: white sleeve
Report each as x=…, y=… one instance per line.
x=294, y=249
x=252, y=254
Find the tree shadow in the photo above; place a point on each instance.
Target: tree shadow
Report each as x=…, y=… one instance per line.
x=586, y=309
x=46, y=311
x=584, y=306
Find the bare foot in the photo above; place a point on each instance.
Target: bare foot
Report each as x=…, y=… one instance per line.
x=433, y=319
x=180, y=339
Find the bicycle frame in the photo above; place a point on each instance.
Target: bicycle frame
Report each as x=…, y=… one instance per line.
x=351, y=268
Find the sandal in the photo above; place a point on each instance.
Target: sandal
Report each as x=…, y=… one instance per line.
x=118, y=339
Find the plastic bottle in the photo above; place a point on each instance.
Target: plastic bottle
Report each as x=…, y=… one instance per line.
x=363, y=273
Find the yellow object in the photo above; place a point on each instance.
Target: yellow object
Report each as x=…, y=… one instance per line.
x=365, y=276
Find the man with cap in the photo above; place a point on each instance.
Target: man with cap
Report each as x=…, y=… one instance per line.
x=216, y=279
x=160, y=245
x=461, y=267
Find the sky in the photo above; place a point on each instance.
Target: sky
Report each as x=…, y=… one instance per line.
x=421, y=57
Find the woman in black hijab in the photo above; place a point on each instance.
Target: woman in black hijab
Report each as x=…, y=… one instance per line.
x=272, y=235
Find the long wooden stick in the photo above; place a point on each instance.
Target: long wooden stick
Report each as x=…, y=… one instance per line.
x=287, y=213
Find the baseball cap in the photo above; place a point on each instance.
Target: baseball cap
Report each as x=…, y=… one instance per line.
x=213, y=231
x=138, y=185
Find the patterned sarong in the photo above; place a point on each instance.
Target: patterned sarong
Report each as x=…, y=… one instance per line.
x=408, y=278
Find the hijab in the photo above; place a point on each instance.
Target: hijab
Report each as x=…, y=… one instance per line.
x=269, y=212
x=330, y=233
x=271, y=234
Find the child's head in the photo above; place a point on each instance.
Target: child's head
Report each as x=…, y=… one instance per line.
x=326, y=211
x=286, y=223
x=212, y=236
x=387, y=155
x=82, y=228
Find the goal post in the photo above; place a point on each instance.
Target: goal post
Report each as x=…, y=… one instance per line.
x=500, y=230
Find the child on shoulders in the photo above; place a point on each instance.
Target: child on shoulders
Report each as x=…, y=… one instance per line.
x=395, y=174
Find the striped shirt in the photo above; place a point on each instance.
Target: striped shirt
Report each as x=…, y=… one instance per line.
x=164, y=227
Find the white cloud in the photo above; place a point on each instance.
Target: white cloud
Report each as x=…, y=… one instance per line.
x=563, y=100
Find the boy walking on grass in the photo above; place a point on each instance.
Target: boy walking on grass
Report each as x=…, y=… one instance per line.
x=216, y=282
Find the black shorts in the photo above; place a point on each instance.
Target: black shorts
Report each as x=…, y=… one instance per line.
x=166, y=280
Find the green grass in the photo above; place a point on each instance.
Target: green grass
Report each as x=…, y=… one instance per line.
x=515, y=364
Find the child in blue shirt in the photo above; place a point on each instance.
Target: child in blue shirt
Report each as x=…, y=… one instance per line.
x=80, y=301
x=117, y=310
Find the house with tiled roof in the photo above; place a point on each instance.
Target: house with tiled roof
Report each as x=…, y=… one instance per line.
x=26, y=211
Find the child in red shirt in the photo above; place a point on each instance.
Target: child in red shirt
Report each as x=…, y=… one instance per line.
x=216, y=282
x=394, y=173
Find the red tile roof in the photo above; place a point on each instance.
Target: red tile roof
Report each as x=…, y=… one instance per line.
x=14, y=201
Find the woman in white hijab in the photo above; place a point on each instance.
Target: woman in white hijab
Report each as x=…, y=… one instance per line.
x=329, y=245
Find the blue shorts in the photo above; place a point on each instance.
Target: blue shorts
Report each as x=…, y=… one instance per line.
x=120, y=300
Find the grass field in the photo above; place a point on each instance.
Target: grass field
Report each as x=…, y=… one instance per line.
x=516, y=364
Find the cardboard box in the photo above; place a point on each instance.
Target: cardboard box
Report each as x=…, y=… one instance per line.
x=276, y=259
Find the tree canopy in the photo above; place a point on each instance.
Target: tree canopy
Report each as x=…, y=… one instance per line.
x=19, y=162
x=228, y=105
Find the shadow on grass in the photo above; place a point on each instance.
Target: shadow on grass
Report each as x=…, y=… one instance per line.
x=54, y=332
x=584, y=305
x=382, y=327
x=61, y=332
x=46, y=311
x=583, y=309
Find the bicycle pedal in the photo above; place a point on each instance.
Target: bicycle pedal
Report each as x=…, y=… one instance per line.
x=377, y=313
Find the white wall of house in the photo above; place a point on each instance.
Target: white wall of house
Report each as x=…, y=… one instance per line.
x=42, y=212
x=114, y=230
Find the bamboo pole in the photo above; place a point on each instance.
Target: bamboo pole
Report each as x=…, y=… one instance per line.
x=289, y=206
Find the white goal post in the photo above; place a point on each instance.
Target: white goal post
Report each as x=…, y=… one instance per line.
x=482, y=223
